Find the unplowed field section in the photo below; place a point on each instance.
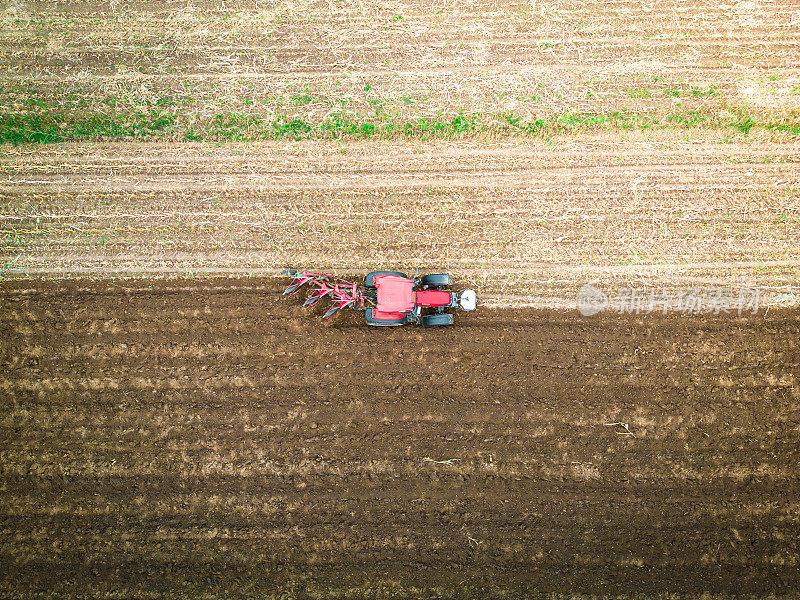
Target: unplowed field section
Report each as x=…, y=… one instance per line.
x=521, y=222
x=208, y=437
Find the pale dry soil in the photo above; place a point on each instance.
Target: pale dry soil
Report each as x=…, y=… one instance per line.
x=523, y=221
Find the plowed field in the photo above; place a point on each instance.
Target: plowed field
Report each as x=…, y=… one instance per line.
x=195, y=439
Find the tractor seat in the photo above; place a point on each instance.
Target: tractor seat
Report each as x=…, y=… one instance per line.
x=395, y=294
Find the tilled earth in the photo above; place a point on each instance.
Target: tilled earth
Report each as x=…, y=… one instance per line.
x=207, y=437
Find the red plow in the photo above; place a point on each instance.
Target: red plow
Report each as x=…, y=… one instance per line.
x=342, y=293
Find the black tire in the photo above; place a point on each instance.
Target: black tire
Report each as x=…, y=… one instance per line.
x=436, y=280
x=371, y=320
x=437, y=320
x=369, y=280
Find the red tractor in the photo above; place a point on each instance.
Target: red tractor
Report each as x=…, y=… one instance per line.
x=389, y=298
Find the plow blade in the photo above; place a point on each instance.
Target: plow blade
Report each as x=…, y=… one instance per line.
x=291, y=289
x=295, y=287
x=316, y=298
x=336, y=307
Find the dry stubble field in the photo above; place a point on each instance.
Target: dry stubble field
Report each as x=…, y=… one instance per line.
x=168, y=432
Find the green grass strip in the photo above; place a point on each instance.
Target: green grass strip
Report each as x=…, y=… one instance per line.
x=158, y=123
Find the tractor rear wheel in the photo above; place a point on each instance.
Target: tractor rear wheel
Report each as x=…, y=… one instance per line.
x=437, y=320
x=370, y=279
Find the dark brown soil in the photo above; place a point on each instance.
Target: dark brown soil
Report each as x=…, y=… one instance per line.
x=184, y=438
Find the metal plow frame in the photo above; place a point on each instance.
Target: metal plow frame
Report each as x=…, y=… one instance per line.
x=342, y=293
